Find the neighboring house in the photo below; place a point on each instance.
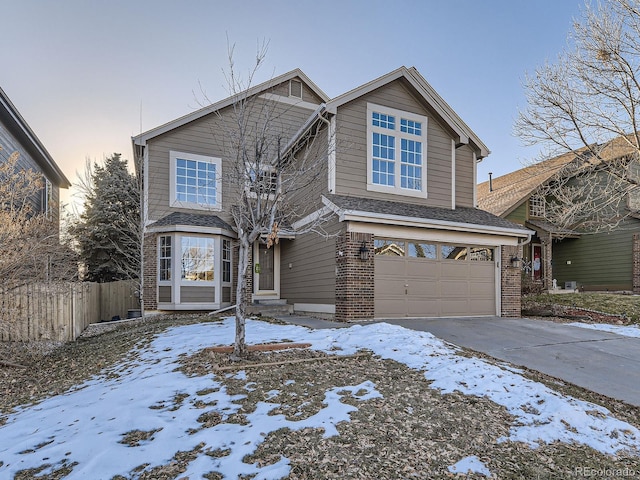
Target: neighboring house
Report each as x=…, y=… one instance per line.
x=398, y=190
x=17, y=136
x=604, y=257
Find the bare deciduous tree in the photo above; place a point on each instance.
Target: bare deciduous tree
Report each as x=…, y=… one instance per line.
x=588, y=103
x=268, y=174
x=30, y=246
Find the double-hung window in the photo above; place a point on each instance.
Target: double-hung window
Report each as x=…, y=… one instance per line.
x=396, y=148
x=195, y=181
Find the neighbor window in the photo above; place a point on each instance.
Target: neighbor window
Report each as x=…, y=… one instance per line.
x=396, y=149
x=536, y=206
x=47, y=198
x=195, y=181
x=197, y=258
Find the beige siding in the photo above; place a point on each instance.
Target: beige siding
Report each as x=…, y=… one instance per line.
x=197, y=294
x=312, y=276
x=351, y=169
x=464, y=177
x=205, y=137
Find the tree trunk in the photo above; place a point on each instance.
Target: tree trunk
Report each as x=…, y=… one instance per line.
x=239, y=346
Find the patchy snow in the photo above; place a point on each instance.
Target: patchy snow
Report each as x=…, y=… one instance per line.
x=628, y=331
x=470, y=464
x=87, y=424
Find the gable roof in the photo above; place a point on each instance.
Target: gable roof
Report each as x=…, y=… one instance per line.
x=504, y=194
x=262, y=87
x=13, y=121
x=425, y=90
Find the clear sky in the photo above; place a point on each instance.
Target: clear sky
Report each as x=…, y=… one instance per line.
x=88, y=74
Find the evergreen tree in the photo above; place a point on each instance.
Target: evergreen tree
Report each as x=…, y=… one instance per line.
x=108, y=231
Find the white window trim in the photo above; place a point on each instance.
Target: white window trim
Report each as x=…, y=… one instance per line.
x=173, y=157
x=396, y=189
x=253, y=194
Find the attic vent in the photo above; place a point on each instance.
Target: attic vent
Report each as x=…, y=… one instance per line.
x=295, y=89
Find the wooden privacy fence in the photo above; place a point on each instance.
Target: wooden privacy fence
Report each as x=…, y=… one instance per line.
x=61, y=312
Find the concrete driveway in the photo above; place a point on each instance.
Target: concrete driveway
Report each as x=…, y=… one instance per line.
x=598, y=361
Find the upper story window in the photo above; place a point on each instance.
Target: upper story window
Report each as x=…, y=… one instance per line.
x=536, y=206
x=195, y=181
x=396, y=148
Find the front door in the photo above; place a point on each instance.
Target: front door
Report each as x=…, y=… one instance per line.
x=266, y=271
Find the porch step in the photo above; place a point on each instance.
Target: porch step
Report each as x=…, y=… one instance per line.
x=267, y=309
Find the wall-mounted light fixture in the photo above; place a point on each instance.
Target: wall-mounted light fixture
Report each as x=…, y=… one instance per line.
x=364, y=252
x=515, y=262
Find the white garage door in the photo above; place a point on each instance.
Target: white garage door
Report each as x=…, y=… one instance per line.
x=421, y=279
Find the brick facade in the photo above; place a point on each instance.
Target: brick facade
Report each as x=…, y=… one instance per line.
x=150, y=295
x=511, y=278
x=354, y=278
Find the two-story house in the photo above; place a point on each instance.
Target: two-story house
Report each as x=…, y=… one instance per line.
x=17, y=136
x=596, y=248
x=397, y=191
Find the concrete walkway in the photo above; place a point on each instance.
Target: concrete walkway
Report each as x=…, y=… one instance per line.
x=602, y=362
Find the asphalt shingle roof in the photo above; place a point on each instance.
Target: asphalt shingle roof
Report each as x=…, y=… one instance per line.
x=193, y=219
x=512, y=189
x=471, y=216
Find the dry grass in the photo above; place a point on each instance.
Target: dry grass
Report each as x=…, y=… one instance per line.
x=615, y=304
x=413, y=431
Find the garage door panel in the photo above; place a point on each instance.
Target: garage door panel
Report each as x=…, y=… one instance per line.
x=390, y=266
x=389, y=286
x=425, y=288
x=454, y=288
x=423, y=307
x=423, y=269
x=454, y=308
x=482, y=270
x=481, y=289
x=390, y=307
x=455, y=269
x=484, y=306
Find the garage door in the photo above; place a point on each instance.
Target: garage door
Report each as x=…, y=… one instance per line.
x=419, y=279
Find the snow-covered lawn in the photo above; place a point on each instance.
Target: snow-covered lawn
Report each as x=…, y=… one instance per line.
x=142, y=411
x=628, y=331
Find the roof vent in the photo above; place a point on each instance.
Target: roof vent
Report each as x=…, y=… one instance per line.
x=295, y=88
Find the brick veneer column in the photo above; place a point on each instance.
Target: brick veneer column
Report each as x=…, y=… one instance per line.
x=636, y=264
x=547, y=247
x=511, y=282
x=354, y=278
x=149, y=295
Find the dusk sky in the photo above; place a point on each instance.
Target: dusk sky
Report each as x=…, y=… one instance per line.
x=87, y=74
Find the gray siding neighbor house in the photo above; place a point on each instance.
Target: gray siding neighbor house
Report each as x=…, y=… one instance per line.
x=17, y=136
x=604, y=256
x=398, y=191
